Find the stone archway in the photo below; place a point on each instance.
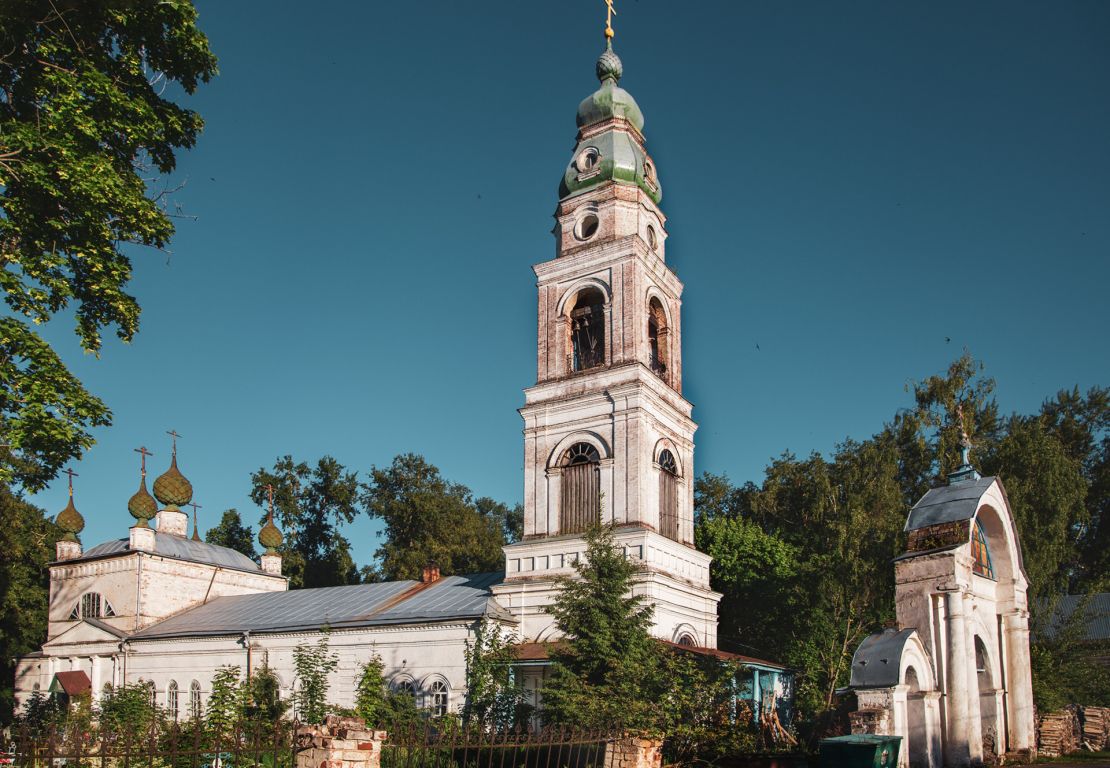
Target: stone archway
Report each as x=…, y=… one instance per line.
x=917, y=721
x=989, y=710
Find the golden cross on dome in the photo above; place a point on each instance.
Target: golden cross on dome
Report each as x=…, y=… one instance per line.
x=270, y=493
x=610, y=12
x=72, y=475
x=174, y=435
x=142, y=450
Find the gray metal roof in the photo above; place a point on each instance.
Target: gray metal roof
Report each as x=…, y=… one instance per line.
x=361, y=605
x=947, y=504
x=877, y=660
x=1096, y=615
x=178, y=548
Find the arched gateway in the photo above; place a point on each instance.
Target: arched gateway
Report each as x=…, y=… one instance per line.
x=953, y=680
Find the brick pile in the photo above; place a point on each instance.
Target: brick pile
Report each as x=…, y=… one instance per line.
x=340, y=742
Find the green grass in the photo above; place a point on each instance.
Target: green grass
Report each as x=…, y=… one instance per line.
x=1092, y=758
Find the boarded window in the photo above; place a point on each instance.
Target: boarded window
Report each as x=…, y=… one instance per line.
x=668, y=495
x=580, y=496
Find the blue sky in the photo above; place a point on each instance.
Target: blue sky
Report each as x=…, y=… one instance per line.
x=856, y=192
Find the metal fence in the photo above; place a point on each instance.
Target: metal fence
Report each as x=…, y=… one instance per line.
x=432, y=745
x=423, y=744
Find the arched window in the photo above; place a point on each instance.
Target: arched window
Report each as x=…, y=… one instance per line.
x=437, y=698
x=92, y=605
x=586, y=324
x=980, y=553
x=195, y=707
x=658, y=334
x=687, y=640
x=171, y=700
x=580, y=495
x=405, y=687
x=668, y=495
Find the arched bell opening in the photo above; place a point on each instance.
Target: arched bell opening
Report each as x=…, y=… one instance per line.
x=586, y=329
x=580, y=495
x=659, y=356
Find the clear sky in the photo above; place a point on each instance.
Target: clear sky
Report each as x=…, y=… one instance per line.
x=856, y=192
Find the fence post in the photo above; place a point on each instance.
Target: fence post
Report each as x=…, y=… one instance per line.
x=630, y=751
x=341, y=742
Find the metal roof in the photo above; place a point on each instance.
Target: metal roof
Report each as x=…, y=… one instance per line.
x=947, y=504
x=876, y=662
x=360, y=605
x=1097, y=615
x=178, y=548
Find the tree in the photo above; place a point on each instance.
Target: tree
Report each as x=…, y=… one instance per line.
x=231, y=533
x=494, y=694
x=313, y=663
x=428, y=518
x=27, y=540
x=84, y=133
x=608, y=674
x=227, y=702
x=130, y=709
x=371, y=696
x=266, y=704
x=310, y=504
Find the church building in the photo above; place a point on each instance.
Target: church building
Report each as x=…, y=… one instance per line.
x=608, y=438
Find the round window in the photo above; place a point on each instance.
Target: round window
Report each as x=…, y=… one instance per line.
x=652, y=239
x=586, y=226
x=649, y=171
x=587, y=159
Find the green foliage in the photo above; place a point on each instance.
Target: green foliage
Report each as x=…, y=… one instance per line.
x=130, y=708
x=495, y=697
x=27, y=540
x=428, y=518
x=41, y=711
x=803, y=559
x=1065, y=670
x=228, y=700
x=371, y=692
x=311, y=504
x=83, y=124
x=265, y=703
x=231, y=533
x=313, y=663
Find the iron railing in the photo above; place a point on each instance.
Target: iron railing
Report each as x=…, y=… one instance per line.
x=454, y=745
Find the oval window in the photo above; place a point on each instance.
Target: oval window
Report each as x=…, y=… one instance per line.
x=586, y=227
x=587, y=159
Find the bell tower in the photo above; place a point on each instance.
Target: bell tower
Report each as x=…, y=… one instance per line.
x=608, y=436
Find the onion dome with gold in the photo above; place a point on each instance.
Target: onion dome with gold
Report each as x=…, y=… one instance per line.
x=270, y=537
x=142, y=505
x=172, y=488
x=70, y=520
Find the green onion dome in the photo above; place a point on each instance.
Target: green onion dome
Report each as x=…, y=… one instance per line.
x=610, y=100
x=142, y=505
x=70, y=521
x=270, y=537
x=172, y=488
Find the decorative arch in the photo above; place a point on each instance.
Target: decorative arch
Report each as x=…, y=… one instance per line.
x=914, y=657
x=437, y=694
x=666, y=444
x=1001, y=541
x=404, y=683
x=577, y=287
x=92, y=605
x=685, y=632
x=554, y=458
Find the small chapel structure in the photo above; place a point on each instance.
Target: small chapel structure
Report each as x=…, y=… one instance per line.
x=953, y=678
x=608, y=439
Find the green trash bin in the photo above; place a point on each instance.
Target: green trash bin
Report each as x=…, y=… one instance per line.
x=862, y=750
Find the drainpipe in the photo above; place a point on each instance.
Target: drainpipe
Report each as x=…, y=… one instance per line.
x=245, y=639
x=138, y=594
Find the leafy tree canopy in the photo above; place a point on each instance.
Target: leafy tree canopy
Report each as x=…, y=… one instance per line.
x=428, y=518
x=85, y=132
x=311, y=504
x=231, y=533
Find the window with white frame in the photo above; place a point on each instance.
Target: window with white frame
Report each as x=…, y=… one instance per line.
x=437, y=698
x=171, y=700
x=92, y=605
x=195, y=707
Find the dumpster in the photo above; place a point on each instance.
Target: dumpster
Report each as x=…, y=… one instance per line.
x=861, y=750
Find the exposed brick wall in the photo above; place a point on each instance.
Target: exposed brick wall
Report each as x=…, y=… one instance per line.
x=341, y=742
x=634, y=752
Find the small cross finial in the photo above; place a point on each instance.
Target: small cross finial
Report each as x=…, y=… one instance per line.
x=144, y=452
x=196, y=531
x=965, y=471
x=72, y=475
x=610, y=12
x=173, y=434
x=270, y=494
